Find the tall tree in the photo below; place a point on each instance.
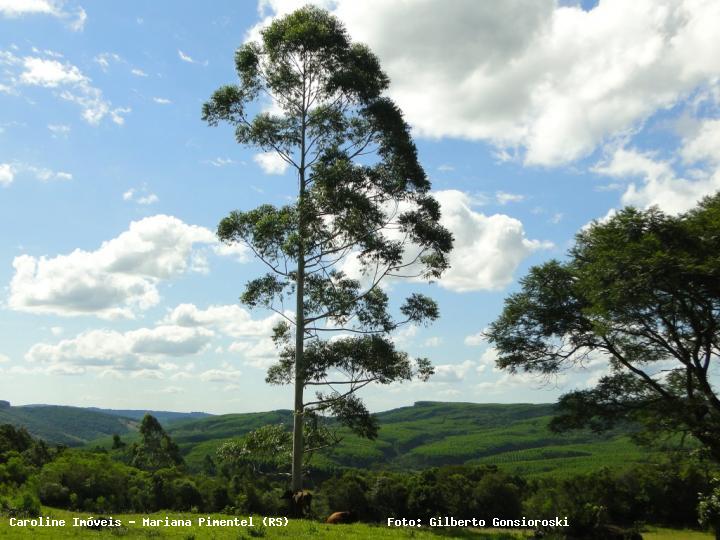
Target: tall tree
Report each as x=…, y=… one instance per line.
x=156, y=450
x=642, y=293
x=362, y=199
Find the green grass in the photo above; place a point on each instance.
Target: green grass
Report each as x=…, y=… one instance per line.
x=675, y=534
x=295, y=529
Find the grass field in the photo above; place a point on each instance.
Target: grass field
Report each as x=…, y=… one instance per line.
x=294, y=529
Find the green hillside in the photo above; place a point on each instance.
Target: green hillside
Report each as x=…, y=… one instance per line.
x=164, y=417
x=514, y=437
x=72, y=426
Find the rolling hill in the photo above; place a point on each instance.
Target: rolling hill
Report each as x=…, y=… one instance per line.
x=72, y=426
x=514, y=437
x=75, y=426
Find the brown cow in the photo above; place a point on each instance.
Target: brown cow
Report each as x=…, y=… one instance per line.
x=337, y=518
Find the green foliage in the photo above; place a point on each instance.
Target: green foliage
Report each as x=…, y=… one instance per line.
x=156, y=450
x=93, y=482
x=709, y=507
x=641, y=292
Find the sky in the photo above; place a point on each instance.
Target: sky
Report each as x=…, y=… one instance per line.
x=532, y=119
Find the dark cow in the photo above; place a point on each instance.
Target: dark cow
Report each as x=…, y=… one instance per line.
x=337, y=518
x=300, y=502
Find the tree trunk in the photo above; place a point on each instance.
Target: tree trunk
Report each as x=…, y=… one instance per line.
x=299, y=409
x=297, y=456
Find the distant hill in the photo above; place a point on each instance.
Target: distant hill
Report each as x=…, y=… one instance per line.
x=164, y=417
x=513, y=436
x=72, y=426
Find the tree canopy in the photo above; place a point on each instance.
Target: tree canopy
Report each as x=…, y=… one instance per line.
x=641, y=293
x=363, y=214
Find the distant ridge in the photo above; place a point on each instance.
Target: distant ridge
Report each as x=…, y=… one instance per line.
x=58, y=424
x=76, y=426
x=162, y=416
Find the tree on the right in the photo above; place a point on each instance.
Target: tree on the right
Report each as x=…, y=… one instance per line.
x=640, y=293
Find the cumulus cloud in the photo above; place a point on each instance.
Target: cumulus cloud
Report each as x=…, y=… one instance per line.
x=452, y=372
x=271, y=162
x=162, y=101
x=4, y=359
x=142, y=352
x=662, y=183
x=231, y=320
x=259, y=354
x=553, y=80
x=65, y=80
x=118, y=279
x=226, y=374
x=17, y=8
x=473, y=340
x=487, y=249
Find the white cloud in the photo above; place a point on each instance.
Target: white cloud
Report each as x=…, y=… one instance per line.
x=118, y=279
x=50, y=73
x=141, y=196
x=65, y=80
x=271, y=162
x=148, y=199
x=162, y=101
x=504, y=198
x=260, y=354
x=231, y=320
x=59, y=130
x=660, y=183
x=141, y=352
x=4, y=359
x=45, y=175
x=220, y=162
x=237, y=251
x=473, y=340
x=445, y=167
x=9, y=171
x=56, y=330
x=554, y=80
x=704, y=145
x=189, y=59
x=7, y=174
x=433, y=342
x=487, y=249
x=227, y=374
x=452, y=372
x=172, y=390
x=105, y=59
x=18, y=8
x=138, y=72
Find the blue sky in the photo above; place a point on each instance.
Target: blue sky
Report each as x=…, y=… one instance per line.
x=532, y=118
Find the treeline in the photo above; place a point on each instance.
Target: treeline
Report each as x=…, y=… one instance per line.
x=150, y=475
